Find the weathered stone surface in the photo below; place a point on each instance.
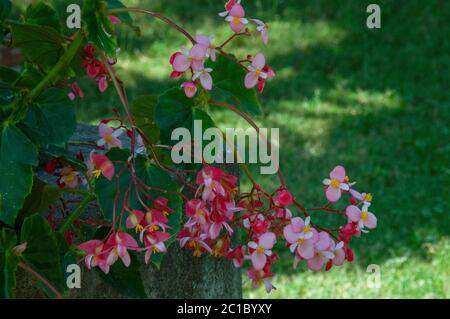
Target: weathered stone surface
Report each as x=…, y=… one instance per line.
x=181, y=275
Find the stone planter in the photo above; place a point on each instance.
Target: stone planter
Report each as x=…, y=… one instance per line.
x=181, y=275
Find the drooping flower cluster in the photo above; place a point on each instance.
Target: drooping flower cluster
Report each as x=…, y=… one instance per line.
x=95, y=69
x=210, y=214
x=193, y=60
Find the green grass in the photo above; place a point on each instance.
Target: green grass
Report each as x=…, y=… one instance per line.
x=376, y=101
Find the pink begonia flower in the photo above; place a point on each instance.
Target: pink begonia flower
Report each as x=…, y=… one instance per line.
x=69, y=177
x=336, y=184
x=194, y=58
x=207, y=43
x=193, y=240
x=321, y=252
x=205, y=78
x=197, y=212
x=75, y=91
x=120, y=242
x=236, y=18
x=363, y=217
x=96, y=256
x=114, y=20
x=134, y=220
x=109, y=137
x=190, y=89
x=228, y=5
x=100, y=164
x=338, y=252
x=283, y=198
x=259, y=277
x=209, y=178
x=262, y=82
x=154, y=242
x=365, y=198
x=301, y=237
x=255, y=71
x=263, y=28
x=263, y=249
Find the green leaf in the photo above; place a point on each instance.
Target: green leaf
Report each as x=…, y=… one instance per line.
x=8, y=75
x=52, y=119
x=41, y=13
x=123, y=16
x=42, y=249
x=5, y=9
x=143, y=110
x=40, y=44
x=126, y=280
x=8, y=263
x=228, y=79
x=41, y=197
x=17, y=156
x=99, y=28
x=175, y=110
x=30, y=77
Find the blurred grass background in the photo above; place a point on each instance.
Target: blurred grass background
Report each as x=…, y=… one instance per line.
x=376, y=101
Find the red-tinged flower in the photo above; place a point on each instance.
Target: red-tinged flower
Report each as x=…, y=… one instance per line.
x=260, y=277
x=96, y=255
x=114, y=20
x=197, y=212
x=362, y=217
x=256, y=71
x=236, y=18
x=102, y=84
x=228, y=6
x=120, y=243
x=237, y=255
x=282, y=198
x=261, y=81
x=89, y=50
x=207, y=42
x=209, y=179
x=190, y=89
x=75, y=91
x=191, y=239
x=51, y=166
x=153, y=240
x=109, y=137
x=135, y=220
x=100, y=165
x=221, y=247
x=69, y=177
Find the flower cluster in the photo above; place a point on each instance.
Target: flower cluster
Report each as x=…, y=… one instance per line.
x=95, y=69
x=193, y=60
x=210, y=213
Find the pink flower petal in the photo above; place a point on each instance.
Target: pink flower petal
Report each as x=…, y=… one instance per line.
x=267, y=240
x=333, y=194
x=237, y=11
x=315, y=263
x=306, y=249
x=104, y=130
x=259, y=61
x=338, y=173
x=371, y=221
x=181, y=63
x=323, y=242
x=250, y=80
x=206, y=80
x=290, y=235
x=258, y=260
x=353, y=213
x=297, y=224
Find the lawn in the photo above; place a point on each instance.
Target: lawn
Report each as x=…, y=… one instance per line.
x=375, y=101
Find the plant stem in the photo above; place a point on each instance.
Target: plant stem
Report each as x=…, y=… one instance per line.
x=41, y=279
x=65, y=59
x=156, y=15
x=76, y=213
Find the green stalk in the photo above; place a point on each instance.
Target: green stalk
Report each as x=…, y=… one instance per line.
x=76, y=213
x=65, y=59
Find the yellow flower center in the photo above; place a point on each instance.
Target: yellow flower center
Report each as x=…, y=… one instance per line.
x=335, y=183
x=97, y=173
x=368, y=197
x=307, y=229
x=108, y=138
x=155, y=250
x=139, y=228
x=165, y=213
x=346, y=178
x=364, y=215
x=153, y=228
x=300, y=241
x=236, y=20
x=258, y=72
x=260, y=250
x=197, y=252
x=70, y=178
